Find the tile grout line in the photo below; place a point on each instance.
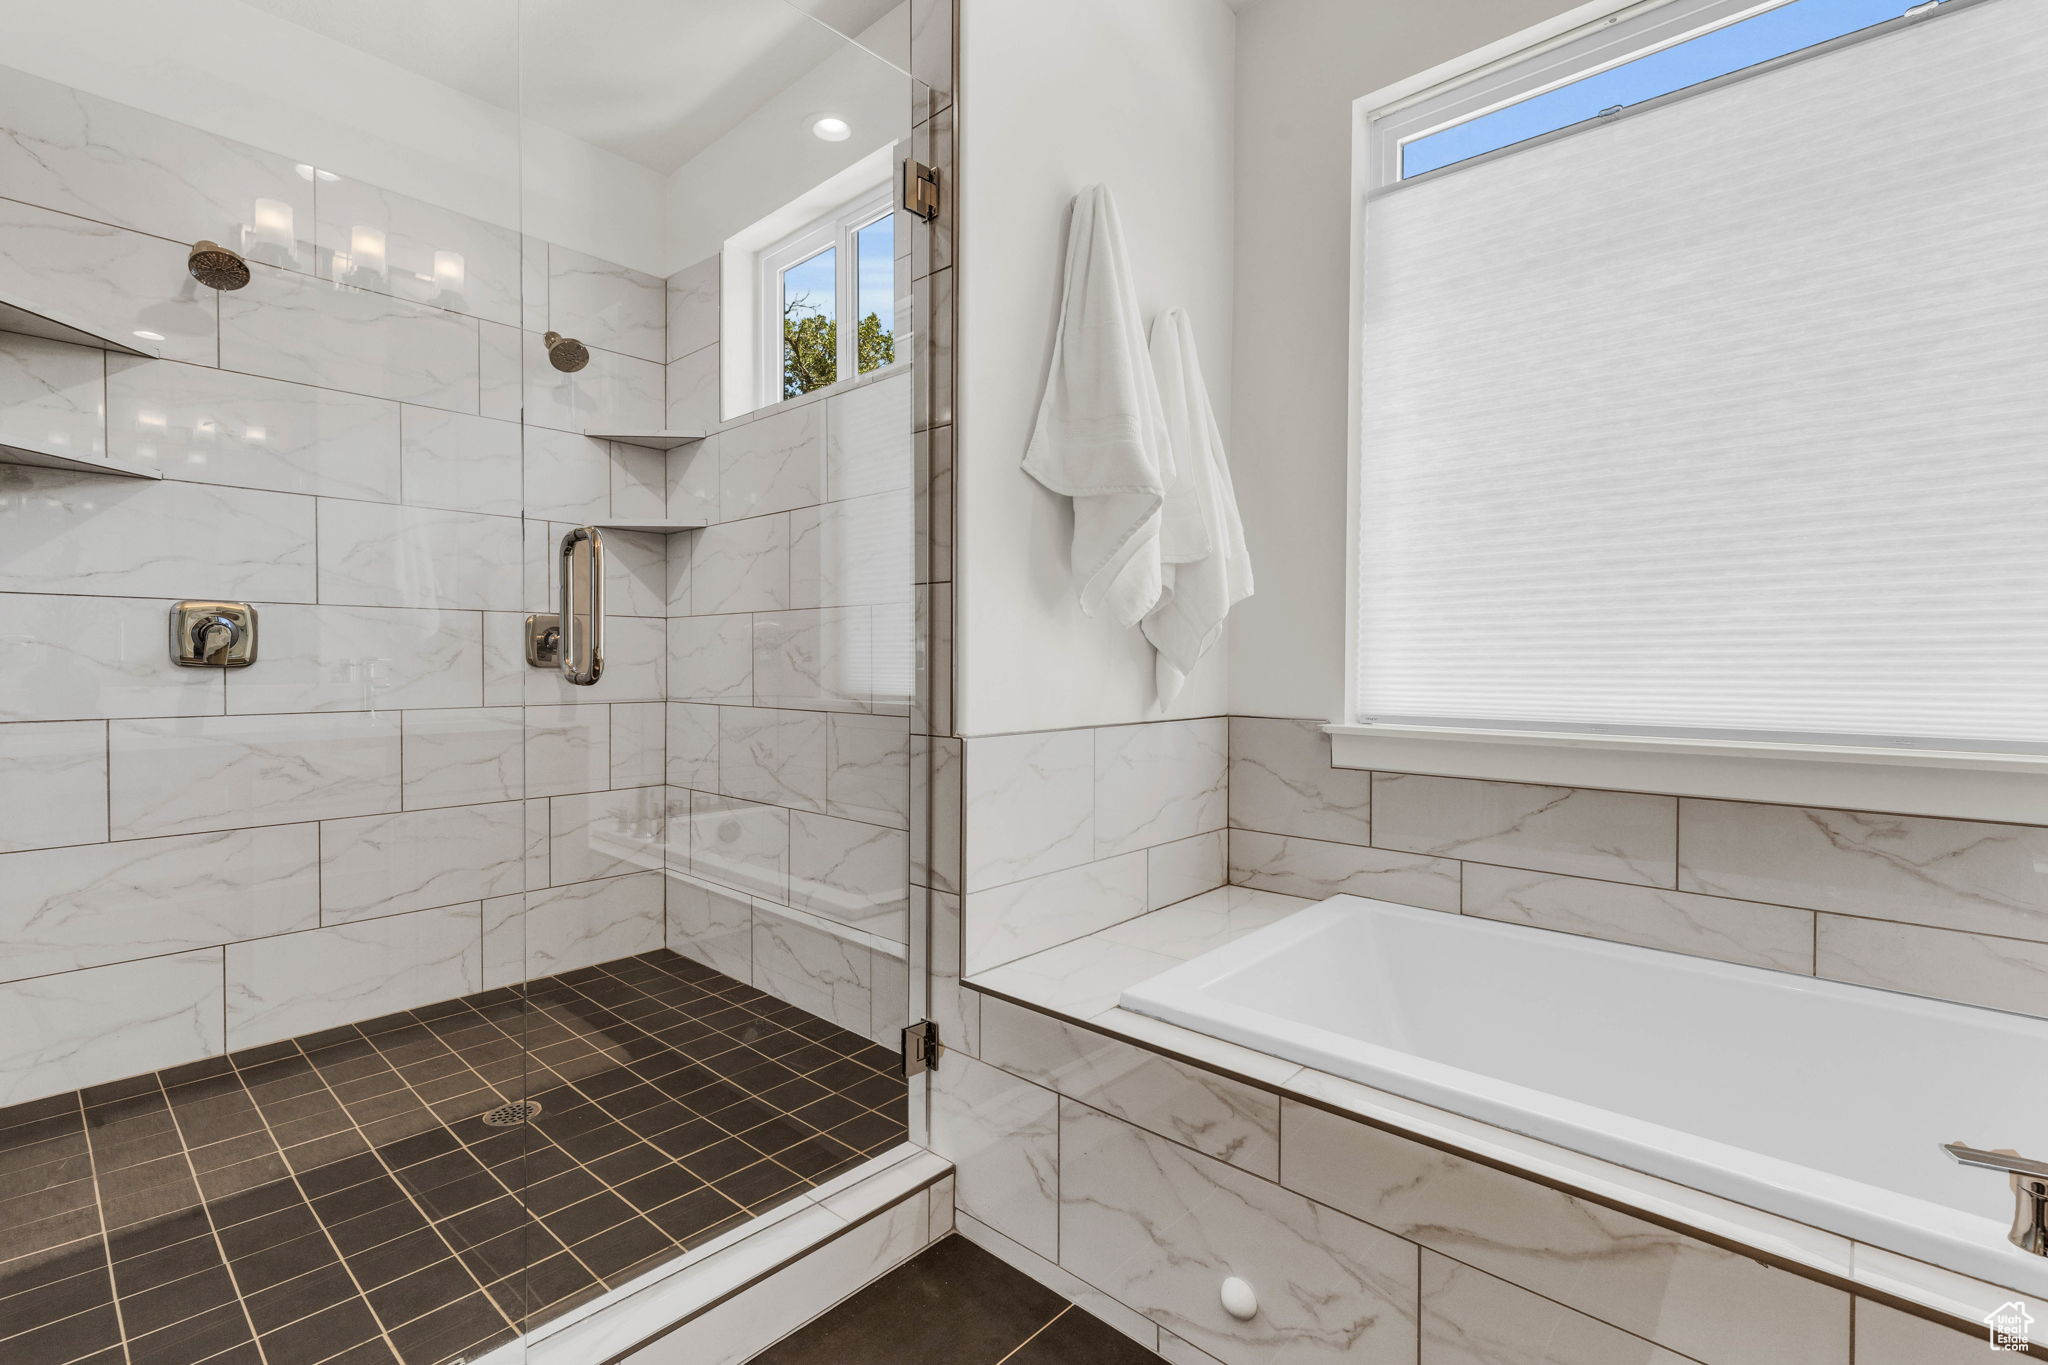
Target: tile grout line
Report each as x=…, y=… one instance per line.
x=92, y=1167
x=1043, y=1328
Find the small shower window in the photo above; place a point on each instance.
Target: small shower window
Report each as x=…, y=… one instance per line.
x=829, y=293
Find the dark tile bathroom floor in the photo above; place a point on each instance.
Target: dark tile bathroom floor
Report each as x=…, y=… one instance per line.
x=337, y=1199
x=955, y=1304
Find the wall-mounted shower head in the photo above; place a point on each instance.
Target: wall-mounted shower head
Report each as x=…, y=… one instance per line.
x=566, y=354
x=216, y=267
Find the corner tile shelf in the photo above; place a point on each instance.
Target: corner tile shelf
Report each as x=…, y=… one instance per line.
x=77, y=464
x=653, y=440
x=653, y=526
x=37, y=321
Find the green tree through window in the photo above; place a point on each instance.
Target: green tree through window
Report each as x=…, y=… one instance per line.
x=810, y=346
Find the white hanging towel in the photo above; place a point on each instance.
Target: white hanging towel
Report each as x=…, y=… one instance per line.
x=1101, y=434
x=1207, y=571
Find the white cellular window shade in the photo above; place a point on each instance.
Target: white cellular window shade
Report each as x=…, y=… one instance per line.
x=1728, y=419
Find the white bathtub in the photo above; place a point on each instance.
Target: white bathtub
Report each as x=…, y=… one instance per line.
x=1822, y=1102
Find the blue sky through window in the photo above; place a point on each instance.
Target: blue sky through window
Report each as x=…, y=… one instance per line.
x=813, y=282
x=1788, y=28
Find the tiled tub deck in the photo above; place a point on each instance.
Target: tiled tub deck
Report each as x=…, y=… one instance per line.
x=336, y=1199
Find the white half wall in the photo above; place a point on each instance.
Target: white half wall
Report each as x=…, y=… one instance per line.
x=1060, y=95
x=1300, y=65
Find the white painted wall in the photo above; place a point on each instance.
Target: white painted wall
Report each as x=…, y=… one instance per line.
x=1060, y=95
x=1300, y=64
x=771, y=158
x=240, y=73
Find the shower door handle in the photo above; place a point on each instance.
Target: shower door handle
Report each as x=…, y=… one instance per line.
x=582, y=604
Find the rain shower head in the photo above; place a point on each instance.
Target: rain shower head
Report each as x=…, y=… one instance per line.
x=216, y=267
x=566, y=354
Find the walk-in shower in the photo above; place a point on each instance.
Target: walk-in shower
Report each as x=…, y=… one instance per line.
x=386, y=993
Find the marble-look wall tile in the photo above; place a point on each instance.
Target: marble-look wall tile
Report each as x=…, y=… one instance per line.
x=1471, y=1318
x=361, y=659
x=207, y=773
x=815, y=966
x=568, y=749
x=460, y=462
x=711, y=658
x=301, y=983
x=955, y=1009
x=59, y=1033
x=68, y=908
x=1676, y=921
x=738, y=844
x=462, y=757
x=1193, y=927
x=635, y=573
x=69, y=658
x=869, y=447
x=1158, y=1226
x=773, y=756
x=53, y=784
x=691, y=386
x=391, y=864
x=692, y=746
x=568, y=477
x=743, y=566
x=111, y=281
x=1157, y=783
x=501, y=371
x=216, y=426
x=1017, y=919
x=1281, y=782
x=773, y=463
x=606, y=305
x=312, y=331
x=1975, y=969
x=82, y=154
x=84, y=534
x=1659, y=1284
x=614, y=393
x=376, y=555
x=1885, y=1336
x=393, y=244
x=1030, y=805
x=855, y=874
x=1187, y=867
x=943, y=862
x=818, y=660
x=693, y=303
x=591, y=922
x=53, y=397
x=1951, y=874
x=712, y=925
x=691, y=480
x=867, y=773
x=1616, y=836
x=639, y=745
x=1002, y=1136
x=1312, y=868
x=639, y=482
x=606, y=834
x=1200, y=1109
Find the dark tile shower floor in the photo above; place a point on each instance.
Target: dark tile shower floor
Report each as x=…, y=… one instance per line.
x=337, y=1199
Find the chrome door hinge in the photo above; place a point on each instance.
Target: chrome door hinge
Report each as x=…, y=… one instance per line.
x=920, y=189
x=920, y=1048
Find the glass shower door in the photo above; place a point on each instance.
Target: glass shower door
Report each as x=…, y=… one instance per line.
x=263, y=724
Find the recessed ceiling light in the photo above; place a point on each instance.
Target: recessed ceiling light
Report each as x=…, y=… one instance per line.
x=829, y=128
x=151, y=336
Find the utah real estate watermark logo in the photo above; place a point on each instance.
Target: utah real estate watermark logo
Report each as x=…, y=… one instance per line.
x=2009, y=1324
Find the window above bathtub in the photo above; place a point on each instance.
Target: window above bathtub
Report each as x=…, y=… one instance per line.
x=1710, y=434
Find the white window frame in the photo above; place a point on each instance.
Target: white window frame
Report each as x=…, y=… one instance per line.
x=838, y=230
x=1980, y=786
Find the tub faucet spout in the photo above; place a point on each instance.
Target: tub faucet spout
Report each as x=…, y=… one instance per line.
x=2029, y=1188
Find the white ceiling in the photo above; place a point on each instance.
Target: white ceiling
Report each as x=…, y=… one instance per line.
x=655, y=81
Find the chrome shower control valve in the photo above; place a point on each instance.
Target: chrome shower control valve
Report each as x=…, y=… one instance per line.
x=213, y=635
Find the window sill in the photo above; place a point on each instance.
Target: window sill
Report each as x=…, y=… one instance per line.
x=1967, y=786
